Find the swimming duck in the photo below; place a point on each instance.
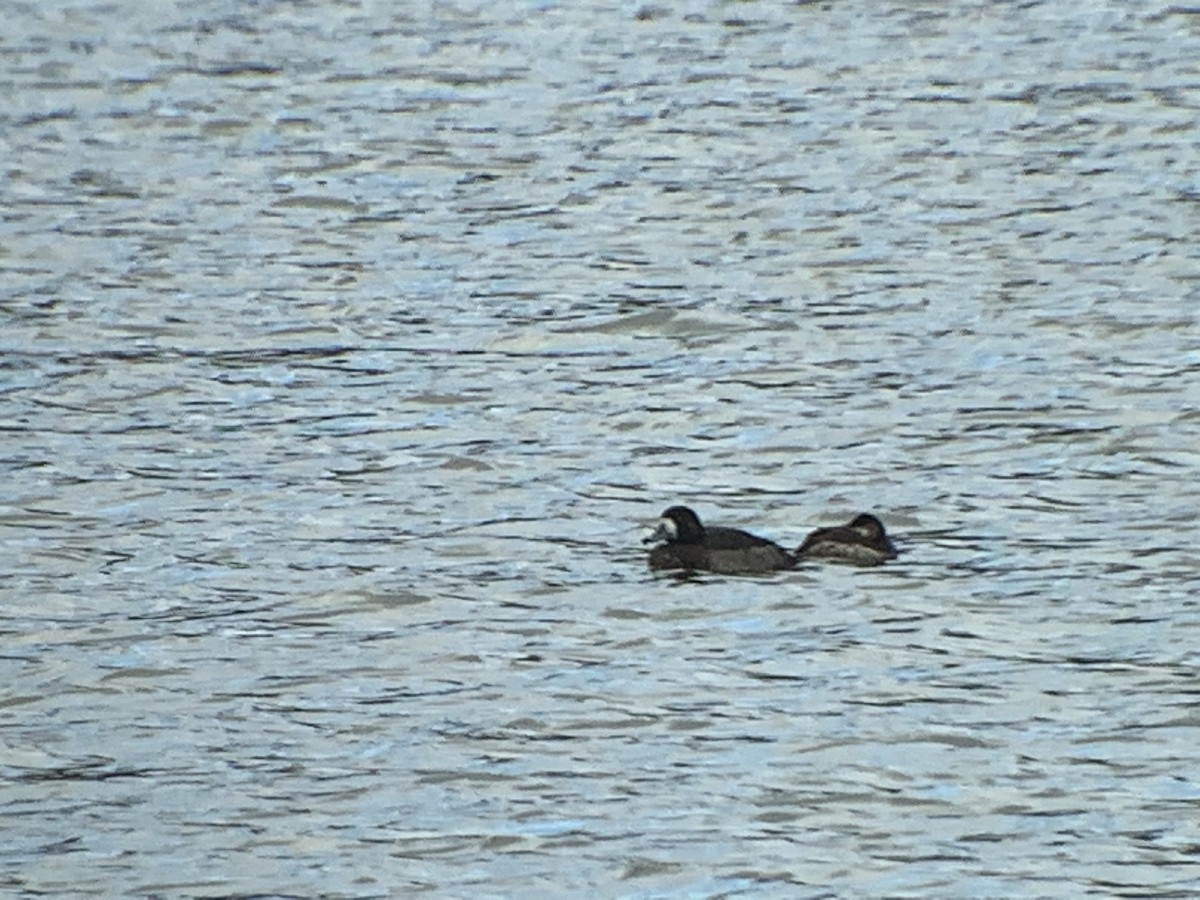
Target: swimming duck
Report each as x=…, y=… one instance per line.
x=862, y=542
x=683, y=543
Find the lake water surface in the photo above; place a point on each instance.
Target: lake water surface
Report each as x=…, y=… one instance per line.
x=350, y=348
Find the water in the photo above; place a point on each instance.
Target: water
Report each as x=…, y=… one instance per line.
x=349, y=349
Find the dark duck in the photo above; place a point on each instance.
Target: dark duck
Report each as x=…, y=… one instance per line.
x=684, y=543
x=862, y=542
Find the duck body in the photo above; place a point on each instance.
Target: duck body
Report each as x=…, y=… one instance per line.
x=684, y=543
x=862, y=542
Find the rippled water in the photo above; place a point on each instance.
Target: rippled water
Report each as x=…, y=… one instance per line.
x=349, y=348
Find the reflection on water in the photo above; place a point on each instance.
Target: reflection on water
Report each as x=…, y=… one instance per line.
x=349, y=352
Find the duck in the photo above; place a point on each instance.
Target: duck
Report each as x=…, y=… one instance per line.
x=862, y=542
x=684, y=543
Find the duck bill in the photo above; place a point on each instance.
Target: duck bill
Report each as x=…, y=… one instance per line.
x=664, y=532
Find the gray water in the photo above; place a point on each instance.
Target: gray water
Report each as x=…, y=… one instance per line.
x=350, y=348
